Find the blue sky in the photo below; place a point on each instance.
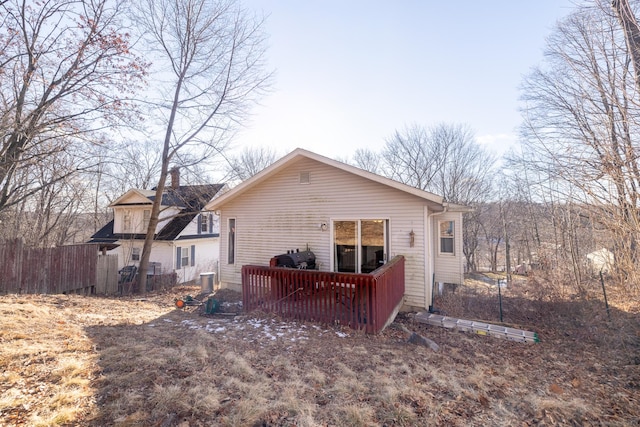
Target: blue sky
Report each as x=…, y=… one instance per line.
x=349, y=73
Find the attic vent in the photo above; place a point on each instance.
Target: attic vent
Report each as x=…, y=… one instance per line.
x=305, y=178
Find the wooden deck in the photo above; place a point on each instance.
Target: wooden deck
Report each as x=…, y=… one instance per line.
x=361, y=301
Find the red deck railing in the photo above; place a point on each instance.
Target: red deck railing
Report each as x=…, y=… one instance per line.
x=361, y=301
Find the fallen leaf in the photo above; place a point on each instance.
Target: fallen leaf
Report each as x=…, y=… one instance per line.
x=555, y=388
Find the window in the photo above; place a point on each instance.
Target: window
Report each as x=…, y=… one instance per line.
x=182, y=256
x=135, y=254
x=359, y=246
x=126, y=220
x=232, y=241
x=203, y=223
x=185, y=256
x=446, y=237
x=146, y=219
x=305, y=177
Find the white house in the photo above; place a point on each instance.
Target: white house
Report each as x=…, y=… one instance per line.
x=352, y=220
x=187, y=236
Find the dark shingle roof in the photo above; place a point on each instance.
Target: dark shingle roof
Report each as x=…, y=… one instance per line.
x=106, y=235
x=191, y=197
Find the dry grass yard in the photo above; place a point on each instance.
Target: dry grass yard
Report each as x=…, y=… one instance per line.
x=88, y=361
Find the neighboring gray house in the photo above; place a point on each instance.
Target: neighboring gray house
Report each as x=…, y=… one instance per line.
x=351, y=219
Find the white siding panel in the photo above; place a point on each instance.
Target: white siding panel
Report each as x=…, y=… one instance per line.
x=137, y=218
x=206, y=260
x=136, y=214
x=281, y=214
x=191, y=228
x=449, y=268
x=160, y=252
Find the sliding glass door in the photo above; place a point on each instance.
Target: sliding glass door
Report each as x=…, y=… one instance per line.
x=359, y=246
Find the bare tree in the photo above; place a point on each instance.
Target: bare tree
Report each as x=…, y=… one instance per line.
x=249, y=162
x=210, y=67
x=52, y=216
x=446, y=160
x=368, y=160
x=65, y=68
x=414, y=158
x=493, y=232
x=471, y=228
x=138, y=164
x=581, y=127
x=629, y=23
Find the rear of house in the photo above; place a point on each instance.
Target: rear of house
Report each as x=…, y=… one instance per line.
x=352, y=220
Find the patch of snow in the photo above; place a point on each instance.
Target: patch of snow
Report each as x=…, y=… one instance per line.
x=254, y=330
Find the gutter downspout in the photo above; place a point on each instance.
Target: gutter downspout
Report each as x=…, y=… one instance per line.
x=433, y=260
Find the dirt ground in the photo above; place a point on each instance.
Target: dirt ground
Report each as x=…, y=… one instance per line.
x=140, y=361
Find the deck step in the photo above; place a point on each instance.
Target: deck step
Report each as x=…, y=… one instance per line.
x=479, y=328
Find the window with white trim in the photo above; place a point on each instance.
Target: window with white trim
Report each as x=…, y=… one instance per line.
x=135, y=254
x=204, y=224
x=184, y=259
x=447, y=237
x=182, y=256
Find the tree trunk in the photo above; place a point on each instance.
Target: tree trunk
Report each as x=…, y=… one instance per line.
x=631, y=30
x=141, y=283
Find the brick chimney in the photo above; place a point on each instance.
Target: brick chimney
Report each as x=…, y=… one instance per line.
x=175, y=178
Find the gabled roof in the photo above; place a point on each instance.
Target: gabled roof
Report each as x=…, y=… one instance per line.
x=192, y=199
x=135, y=196
x=434, y=201
x=185, y=196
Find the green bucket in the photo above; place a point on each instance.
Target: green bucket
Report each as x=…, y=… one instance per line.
x=211, y=306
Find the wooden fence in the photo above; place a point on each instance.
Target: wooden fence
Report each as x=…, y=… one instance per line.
x=65, y=269
x=107, y=275
x=361, y=301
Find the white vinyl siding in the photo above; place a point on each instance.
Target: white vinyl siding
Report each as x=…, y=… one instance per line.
x=146, y=217
x=194, y=228
x=279, y=214
x=135, y=219
x=127, y=219
x=448, y=268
